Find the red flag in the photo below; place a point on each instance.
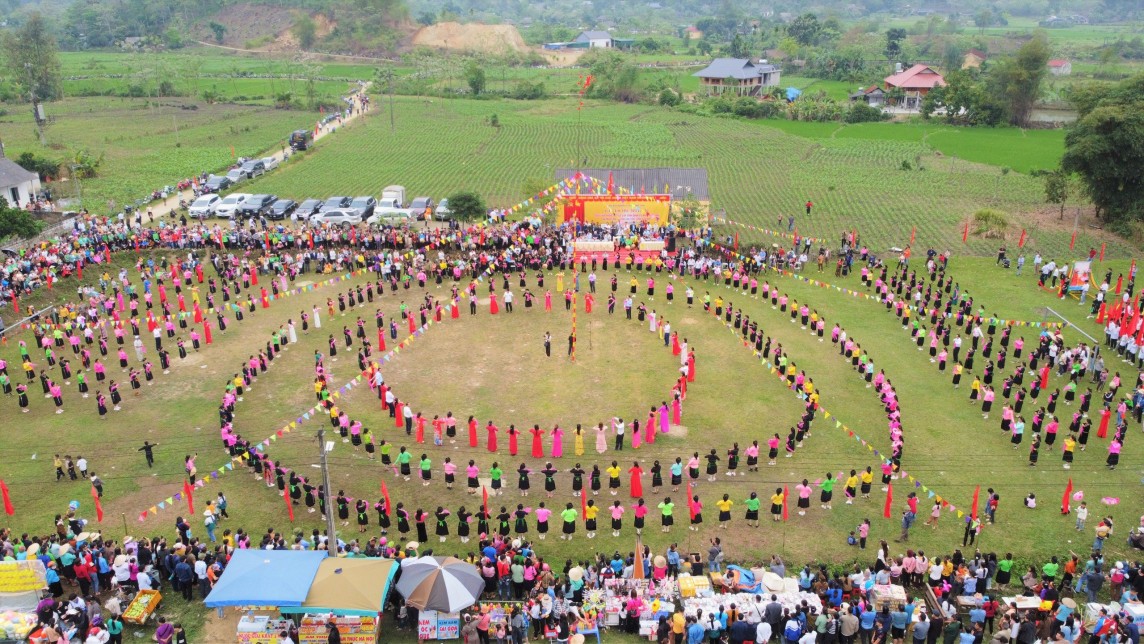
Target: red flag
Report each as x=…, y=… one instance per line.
x=611, y=183
x=889, y=500
x=380, y=340
x=289, y=505
x=98, y=505
x=385, y=495
x=736, y=241
x=913, y=234
x=690, y=508
x=1119, y=283
x=1020, y=244
x=976, y=493
x=584, y=506
x=965, y=234
x=267, y=238
x=786, y=495
x=1065, y=499
x=1101, y=254
x=8, y=509
x=189, y=493
x=15, y=303
x=485, y=499
x=1072, y=242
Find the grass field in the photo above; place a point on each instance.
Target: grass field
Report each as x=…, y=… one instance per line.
x=148, y=145
x=758, y=170
x=493, y=367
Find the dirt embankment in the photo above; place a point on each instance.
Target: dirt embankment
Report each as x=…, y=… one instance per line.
x=454, y=36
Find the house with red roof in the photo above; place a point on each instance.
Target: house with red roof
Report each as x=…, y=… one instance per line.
x=1060, y=67
x=915, y=83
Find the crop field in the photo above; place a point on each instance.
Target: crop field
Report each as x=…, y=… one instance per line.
x=148, y=145
x=758, y=173
x=191, y=73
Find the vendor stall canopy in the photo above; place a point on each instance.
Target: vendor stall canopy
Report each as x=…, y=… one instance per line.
x=266, y=578
x=357, y=586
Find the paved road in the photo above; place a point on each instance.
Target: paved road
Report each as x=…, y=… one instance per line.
x=160, y=209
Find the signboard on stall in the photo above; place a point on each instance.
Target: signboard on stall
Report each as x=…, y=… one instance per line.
x=354, y=629
x=434, y=625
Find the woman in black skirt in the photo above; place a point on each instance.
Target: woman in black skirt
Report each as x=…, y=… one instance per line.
x=362, y=509
x=595, y=479
x=549, y=473
x=522, y=479
x=463, y=517
x=520, y=525
x=677, y=473
x=569, y=517
x=402, y=519
x=442, y=525
x=343, y=507
x=656, y=477
x=419, y=518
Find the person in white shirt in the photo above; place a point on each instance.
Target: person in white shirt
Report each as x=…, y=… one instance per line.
x=808, y=638
x=144, y=579
x=762, y=633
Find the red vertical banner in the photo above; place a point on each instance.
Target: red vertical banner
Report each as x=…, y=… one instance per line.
x=289, y=505
x=1021, y=241
x=786, y=500
x=976, y=494
x=965, y=234
x=913, y=234
x=8, y=509
x=1072, y=242
x=98, y=505
x=385, y=495
x=889, y=500
x=1065, y=499
x=1101, y=253
x=485, y=500
x=189, y=493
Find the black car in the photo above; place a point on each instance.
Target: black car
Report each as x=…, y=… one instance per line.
x=307, y=208
x=336, y=202
x=281, y=209
x=364, y=206
x=216, y=184
x=256, y=205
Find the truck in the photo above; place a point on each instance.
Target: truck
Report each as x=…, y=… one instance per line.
x=393, y=194
x=389, y=210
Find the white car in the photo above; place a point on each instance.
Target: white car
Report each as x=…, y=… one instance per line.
x=230, y=204
x=270, y=163
x=337, y=216
x=237, y=175
x=204, y=206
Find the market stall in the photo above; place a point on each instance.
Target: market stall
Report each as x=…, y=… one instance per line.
x=351, y=593
x=21, y=583
x=262, y=582
x=785, y=591
x=142, y=606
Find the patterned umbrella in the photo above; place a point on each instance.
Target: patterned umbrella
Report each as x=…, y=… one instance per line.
x=445, y=584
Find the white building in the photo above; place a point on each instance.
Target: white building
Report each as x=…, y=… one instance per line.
x=17, y=185
x=595, y=39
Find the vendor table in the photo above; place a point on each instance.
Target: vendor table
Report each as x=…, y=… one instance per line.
x=888, y=595
x=261, y=629
x=1023, y=603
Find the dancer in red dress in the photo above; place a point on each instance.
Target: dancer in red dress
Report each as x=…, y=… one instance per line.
x=637, y=479
x=472, y=432
x=493, y=307
x=512, y=439
x=492, y=430
x=537, y=441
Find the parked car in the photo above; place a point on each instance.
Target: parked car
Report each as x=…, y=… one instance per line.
x=270, y=163
x=364, y=206
x=236, y=175
x=442, y=213
x=419, y=205
x=229, y=206
x=387, y=211
x=301, y=139
x=281, y=209
x=307, y=208
x=217, y=184
x=256, y=205
x=204, y=206
x=255, y=168
x=336, y=216
x=336, y=202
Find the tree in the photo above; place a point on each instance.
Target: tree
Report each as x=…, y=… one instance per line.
x=219, y=31
x=17, y=222
x=1019, y=78
x=426, y=18
x=475, y=77
x=1105, y=148
x=305, y=31
x=805, y=29
x=983, y=19
x=894, y=38
x=467, y=206
x=30, y=53
x=739, y=47
x=47, y=169
x=1057, y=189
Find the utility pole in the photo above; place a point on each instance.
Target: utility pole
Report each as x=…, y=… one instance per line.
x=331, y=528
x=37, y=114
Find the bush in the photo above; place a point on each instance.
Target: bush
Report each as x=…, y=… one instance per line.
x=747, y=107
x=721, y=105
x=669, y=97
x=770, y=109
x=906, y=165
x=527, y=91
x=862, y=113
x=990, y=223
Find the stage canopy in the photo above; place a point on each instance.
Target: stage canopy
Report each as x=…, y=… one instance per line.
x=266, y=578
x=356, y=586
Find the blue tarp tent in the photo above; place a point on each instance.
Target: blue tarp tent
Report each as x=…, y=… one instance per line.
x=266, y=578
x=792, y=93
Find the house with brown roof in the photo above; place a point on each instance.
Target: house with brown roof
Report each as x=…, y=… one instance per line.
x=973, y=59
x=737, y=76
x=915, y=83
x=872, y=95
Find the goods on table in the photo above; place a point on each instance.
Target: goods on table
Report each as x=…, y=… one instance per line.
x=15, y=625
x=142, y=606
